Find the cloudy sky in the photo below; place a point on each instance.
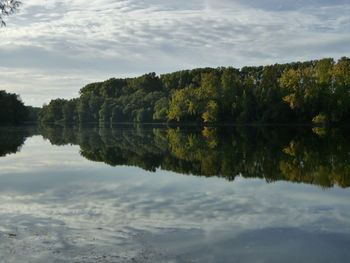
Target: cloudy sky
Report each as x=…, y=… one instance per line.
x=52, y=48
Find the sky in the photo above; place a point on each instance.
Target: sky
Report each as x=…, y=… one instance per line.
x=50, y=48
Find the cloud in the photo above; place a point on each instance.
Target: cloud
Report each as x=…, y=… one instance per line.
x=101, y=39
x=287, y=5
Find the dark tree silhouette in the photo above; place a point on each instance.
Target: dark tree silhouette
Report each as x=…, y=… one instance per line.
x=7, y=7
x=12, y=109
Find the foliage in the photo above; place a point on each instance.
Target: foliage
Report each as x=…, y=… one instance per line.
x=12, y=109
x=33, y=113
x=287, y=93
x=320, y=119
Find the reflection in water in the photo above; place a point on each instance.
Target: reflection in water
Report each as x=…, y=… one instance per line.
x=291, y=154
x=57, y=206
x=12, y=138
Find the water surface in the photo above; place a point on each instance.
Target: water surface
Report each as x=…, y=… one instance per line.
x=190, y=194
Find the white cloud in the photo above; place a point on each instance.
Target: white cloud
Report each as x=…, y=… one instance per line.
x=83, y=41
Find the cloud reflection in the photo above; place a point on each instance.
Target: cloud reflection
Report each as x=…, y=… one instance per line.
x=95, y=213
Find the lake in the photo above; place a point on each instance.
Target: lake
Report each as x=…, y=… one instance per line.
x=145, y=193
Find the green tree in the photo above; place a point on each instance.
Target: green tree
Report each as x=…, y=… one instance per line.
x=303, y=92
x=70, y=111
x=340, y=99
x=231, y=91
x=161, y=109
x=184, y=104
x=83, y=110
x=53, y=112
x=212, y=112
x=105, y=112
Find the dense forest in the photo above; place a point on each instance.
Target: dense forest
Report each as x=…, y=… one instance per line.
x=13, y=110
x=291, y=153
x=299, y=92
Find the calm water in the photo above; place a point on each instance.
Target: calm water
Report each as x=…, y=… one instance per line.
x=155, y=194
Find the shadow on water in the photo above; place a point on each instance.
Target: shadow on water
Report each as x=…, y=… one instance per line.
x=295, y=154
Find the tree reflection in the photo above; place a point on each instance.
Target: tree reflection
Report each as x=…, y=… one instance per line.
x=290, y=154
x=12, y=138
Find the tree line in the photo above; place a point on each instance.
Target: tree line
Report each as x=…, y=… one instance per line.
x=309, y=91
